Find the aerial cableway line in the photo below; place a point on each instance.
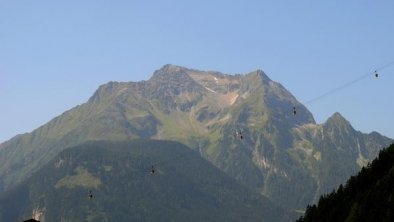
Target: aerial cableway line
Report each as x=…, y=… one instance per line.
x=375, y=73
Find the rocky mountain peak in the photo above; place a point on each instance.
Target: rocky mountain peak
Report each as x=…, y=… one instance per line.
x=169, y=72
x=262, y=75
x=338, y=119
x=104, y=90
x=338, y=125
x=174, y=78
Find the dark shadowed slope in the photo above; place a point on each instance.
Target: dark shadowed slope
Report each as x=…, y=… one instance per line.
x=184, y=187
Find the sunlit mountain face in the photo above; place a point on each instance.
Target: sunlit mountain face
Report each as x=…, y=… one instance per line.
x=242, y=124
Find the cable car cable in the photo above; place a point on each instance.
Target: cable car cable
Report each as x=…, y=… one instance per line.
x=345, y=85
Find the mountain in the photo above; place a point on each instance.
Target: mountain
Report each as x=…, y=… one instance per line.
x=369, y=196
x=288, y=158
x=184, y=187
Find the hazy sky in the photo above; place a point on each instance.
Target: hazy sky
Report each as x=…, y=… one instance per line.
x=55, y=54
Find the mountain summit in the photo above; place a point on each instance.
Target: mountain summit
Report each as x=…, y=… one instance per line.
x=285, y=157
x=337, y=120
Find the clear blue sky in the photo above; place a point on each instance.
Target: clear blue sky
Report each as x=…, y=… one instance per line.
x=54, y=54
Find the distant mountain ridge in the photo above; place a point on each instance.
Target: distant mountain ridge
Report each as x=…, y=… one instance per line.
x=287, y=158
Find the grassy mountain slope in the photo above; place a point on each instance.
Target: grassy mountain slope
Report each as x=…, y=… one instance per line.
x=369, y=196
x=184, y=187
